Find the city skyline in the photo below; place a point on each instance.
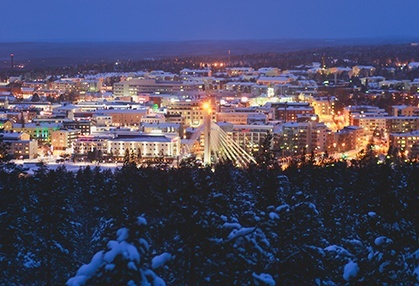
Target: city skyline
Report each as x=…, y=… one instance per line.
x=186, y=20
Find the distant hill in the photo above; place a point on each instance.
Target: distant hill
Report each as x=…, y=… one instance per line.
x=39, y=54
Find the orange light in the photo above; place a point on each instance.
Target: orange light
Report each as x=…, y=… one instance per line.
x=206, y=106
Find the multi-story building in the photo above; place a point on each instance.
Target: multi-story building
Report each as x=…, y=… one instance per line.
x=163, y=127
x=289, y=111
x=404, y=110
x=126, y=117
x=269, y=71
x=153, y=118
x=101, y=122
x=85, y=144
x=371, y=124
x=406, y=143
x=244, y=87
x=362, y=71
x=20, y=146
x=402, y=124
x=270, y=81
x=323, y=105
x=82, y=125
x=361, y=111
x=240, y=117
x=150, y=146
x=37, y=131
x=195, y=73
x=239, y=71
x=135, y=87
x=300, y=138
x=174, y=118
x=249, y=137
x=348, y=138
x=62, y=140
x=66, y=84
x=192, y=112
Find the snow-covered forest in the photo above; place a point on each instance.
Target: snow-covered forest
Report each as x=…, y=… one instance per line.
x=310, y=225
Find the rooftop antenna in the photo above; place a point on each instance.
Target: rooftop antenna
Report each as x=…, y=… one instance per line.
x=229, y=57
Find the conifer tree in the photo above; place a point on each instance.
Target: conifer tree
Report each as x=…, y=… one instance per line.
x=124, y=262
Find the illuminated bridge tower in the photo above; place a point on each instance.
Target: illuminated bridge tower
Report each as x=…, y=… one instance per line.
x=207, y=133
x=218, y=145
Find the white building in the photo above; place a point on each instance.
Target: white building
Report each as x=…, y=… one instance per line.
x=150, y=146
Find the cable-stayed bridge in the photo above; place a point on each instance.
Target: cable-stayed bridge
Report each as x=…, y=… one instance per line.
x=218, y=145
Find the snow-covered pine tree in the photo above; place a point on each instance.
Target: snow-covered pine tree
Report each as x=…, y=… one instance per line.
x=122, y=263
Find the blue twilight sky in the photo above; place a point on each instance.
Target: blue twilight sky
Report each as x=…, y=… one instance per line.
x=178, y=20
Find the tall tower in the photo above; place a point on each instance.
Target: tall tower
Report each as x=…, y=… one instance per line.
x=207, y=133
x=11, y=61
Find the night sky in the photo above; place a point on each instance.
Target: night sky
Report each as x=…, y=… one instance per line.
x=179, y=20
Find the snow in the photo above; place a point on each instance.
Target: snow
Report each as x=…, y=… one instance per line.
x=110, y=267
x=160, y=260
x=273, y=216
x=382, y=240
x=266, y=279
x=77, y=281
x=280, y=208
x=354, y=242
x=122, y=234
x=144, y=243
x=90, y=269
x=232, y=225
x=113, y=252
x=131, y=265
x=86, y=271
x=127, y=250
x=130, y=252
x=416, y=272
x=350, y=270
x=30, y=262
x=141, y=221
x=31, y=165
x=338, y=249
x=157, y=281
x=116, y=247
x=131, y=283
x=240, y=232
x=313, y=207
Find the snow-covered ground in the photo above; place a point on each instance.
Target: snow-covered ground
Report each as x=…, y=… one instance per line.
x=51, y=163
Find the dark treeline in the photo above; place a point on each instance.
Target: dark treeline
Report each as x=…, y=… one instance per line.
x=380, y=56
x=303, y=226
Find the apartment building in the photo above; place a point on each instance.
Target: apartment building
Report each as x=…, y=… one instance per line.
x=124, y=117
x=150, y=146
x=137, y=86
x=20, y=146
x=303, y=137
x=192, y=112
x=63, y=140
